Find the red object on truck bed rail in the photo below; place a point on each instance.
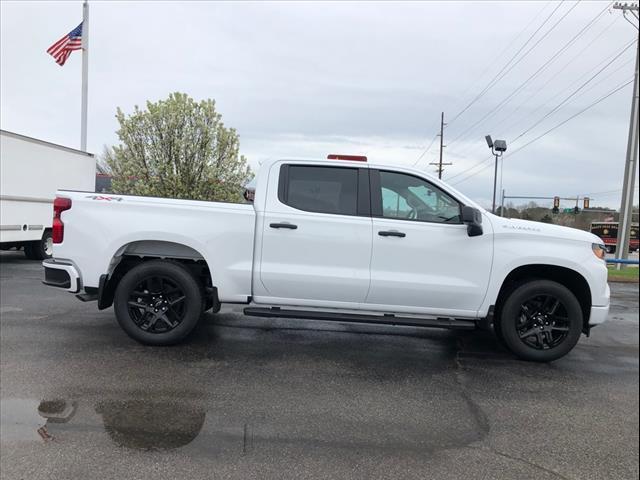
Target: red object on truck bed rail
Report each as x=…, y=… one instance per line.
x=355, y=158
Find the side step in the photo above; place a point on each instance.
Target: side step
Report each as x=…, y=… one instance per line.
x=386, y=319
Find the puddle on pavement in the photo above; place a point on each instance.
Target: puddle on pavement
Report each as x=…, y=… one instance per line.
x=27, y=420
x=160, y=425
x=145, y=425
x=139, y=425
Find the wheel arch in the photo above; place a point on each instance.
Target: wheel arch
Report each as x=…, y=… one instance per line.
x=133, y=253
x=567, y=277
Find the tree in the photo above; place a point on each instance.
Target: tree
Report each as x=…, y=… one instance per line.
x=177, y=148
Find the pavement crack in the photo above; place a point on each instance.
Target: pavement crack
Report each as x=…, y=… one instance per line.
x=521, y=460
x=483, y=420
x=476, y=410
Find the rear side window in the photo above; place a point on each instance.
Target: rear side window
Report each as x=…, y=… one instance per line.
x=319, y=189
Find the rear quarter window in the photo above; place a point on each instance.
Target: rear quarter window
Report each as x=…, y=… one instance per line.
x=320, y=189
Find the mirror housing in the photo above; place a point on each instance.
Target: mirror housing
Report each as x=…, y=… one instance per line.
x=472, y=217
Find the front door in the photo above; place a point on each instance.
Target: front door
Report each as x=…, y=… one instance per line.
x=316, y=237
x=423, y=261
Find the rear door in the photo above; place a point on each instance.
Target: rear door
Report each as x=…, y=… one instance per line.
x=316, y=236
x=423, y=259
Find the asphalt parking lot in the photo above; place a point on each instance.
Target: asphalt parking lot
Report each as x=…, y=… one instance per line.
x=252, y=398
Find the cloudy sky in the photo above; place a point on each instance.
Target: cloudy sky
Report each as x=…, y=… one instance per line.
x=304, y=79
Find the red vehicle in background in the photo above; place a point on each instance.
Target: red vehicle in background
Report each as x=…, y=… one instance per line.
x=608, y=232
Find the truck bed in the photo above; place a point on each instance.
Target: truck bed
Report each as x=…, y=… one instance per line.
x=100, y=228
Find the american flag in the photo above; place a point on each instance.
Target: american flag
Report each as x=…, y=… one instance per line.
x=61, y=50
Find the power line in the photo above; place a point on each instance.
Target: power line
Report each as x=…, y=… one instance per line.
x=617, y=89
x=424, y=152
x=542, y=105
x=487, y=165
x=584, y=84
x=493, y=81
x=508, y=45
x=593, y=104
x=555, y=75
x=537, y=72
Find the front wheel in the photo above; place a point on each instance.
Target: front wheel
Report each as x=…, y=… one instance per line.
x=541, y=321
x=158, y=302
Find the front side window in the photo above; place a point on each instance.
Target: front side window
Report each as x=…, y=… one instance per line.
x=407, y=197
x=321, y=189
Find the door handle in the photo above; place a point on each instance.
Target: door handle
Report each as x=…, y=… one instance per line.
x=290, y=226
x=392, y=233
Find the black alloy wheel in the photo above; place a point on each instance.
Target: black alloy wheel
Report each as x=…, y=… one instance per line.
x=543, y=322
x=540, y=321
x=158, y=302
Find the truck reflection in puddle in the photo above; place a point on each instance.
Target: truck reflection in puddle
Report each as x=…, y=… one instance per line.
x=136, y=424
x=24, y=419
x=149, y=425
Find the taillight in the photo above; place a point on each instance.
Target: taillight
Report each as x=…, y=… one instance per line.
x=59, y=205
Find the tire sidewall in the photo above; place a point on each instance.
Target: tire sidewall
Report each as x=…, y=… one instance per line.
x=178, y=274
x=42, y=246
x=36, y=250
x=511, y=310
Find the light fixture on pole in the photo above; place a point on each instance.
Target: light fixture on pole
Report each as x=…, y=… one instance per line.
x=497, y=149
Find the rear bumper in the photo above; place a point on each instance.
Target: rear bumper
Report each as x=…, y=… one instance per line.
x=61, y=274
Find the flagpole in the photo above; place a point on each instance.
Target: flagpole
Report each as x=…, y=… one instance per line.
x=85, y=75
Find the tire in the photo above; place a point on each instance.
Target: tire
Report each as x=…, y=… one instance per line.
x=28, y=251
x=541, y=321
x=40, y=249
x=158, y=302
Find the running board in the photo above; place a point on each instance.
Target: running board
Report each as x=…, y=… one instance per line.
x=386, y=319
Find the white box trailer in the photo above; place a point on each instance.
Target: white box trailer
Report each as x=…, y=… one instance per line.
x=31, y=171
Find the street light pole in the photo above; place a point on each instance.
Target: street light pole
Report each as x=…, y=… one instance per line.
x=497, y=148
x=495, y=181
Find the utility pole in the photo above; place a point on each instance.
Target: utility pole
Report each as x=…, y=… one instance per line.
x=440, y=164
x=626, y=205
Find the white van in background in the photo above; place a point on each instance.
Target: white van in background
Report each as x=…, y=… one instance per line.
x=31, y=171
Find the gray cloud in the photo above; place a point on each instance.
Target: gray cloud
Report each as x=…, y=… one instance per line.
x=309, y=78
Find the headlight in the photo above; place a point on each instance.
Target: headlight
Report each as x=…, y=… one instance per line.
x=599, y=250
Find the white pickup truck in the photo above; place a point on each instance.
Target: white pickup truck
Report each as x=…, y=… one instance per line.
x=338, y=239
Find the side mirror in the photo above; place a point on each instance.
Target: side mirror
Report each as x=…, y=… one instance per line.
x=473, y=218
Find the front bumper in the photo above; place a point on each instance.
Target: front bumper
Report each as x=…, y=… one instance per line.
x=61, y=274
x=598, y=315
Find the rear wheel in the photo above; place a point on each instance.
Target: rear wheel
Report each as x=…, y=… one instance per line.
x=40, y=249
x=158, y=302
x=541, y=321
